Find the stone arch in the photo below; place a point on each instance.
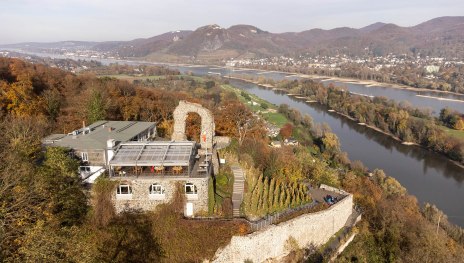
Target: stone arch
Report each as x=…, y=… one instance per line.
x=207, y=123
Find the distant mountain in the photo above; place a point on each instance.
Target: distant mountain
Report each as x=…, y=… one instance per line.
x=51, y=45
x=372, y=27
x=215, y=42
x=143, y=46
x=443, y=36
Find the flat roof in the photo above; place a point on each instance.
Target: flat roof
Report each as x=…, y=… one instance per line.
x=157, y=153
x=95, y=136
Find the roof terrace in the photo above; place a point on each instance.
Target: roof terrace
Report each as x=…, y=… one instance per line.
x=158, y=158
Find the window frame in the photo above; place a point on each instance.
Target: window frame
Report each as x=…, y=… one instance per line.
x=121, y=186
x=152, y=190
x=190, y=185
x=85, y=156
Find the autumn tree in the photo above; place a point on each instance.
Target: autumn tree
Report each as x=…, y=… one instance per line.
x=330, y=143
x=459, y=124
x=234, y=119
x=286, y=131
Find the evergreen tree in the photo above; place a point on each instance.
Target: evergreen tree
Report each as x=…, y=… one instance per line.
x=271, y=194
x=265, y=207
x=283, y=197
x=95, y=107
x=276, y=199
x=288, y=198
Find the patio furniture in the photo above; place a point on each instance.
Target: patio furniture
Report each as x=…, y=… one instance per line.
x=159, y=169
x=177, y=169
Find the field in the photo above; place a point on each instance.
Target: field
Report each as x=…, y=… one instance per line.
x=454, y=133
x=131, y=78
x=259, y=106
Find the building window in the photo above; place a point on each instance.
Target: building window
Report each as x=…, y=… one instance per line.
x=85, y=156
x=85, y=169
x=124, y=189
x=190, y=189
x=156, y=189
x=156, y=192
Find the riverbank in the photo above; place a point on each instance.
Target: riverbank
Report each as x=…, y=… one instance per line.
x=367, y=83
x=396, y=138
x=305, y=99
x=372, y=83
x=267, y=86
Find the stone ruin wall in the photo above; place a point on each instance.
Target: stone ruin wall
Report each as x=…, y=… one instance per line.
x=207, y=123
x=273, y=242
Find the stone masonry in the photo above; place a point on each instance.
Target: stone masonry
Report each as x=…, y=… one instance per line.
x=274, y=242
x=207, y=123
x=142, y=200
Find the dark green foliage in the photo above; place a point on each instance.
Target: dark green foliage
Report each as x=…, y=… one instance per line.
x=245, y=95
x=95, y=107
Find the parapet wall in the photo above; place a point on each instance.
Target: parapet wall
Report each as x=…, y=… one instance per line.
x=274, y=241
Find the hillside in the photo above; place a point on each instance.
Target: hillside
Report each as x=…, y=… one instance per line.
x=143, y=46
x=443, y=36
x=41, y=224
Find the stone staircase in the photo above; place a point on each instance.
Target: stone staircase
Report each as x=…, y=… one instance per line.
x=238, y=188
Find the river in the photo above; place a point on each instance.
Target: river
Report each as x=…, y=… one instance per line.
x=429, y=176
x=433, y=101
x=430, y=100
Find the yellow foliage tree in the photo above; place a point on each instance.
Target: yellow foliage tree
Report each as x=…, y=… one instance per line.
x=459, y=125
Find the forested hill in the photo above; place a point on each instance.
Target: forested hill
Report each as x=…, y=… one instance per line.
x=44, y=207
x=47, y=215
x=64, y=100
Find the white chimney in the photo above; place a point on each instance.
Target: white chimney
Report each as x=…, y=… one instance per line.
x=110, y=143
x=110, y=151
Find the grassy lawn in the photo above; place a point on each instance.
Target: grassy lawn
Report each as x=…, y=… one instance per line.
x=275, y=118
x=454, y=133
x=268, y=112
x=153, y=77
x=130, y=77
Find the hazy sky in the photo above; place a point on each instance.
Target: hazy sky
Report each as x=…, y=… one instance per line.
x=98, y=20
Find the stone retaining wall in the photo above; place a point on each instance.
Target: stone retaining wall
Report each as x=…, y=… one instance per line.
x=275, y=241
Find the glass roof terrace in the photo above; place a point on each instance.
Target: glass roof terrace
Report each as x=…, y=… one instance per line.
x=154, y=154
